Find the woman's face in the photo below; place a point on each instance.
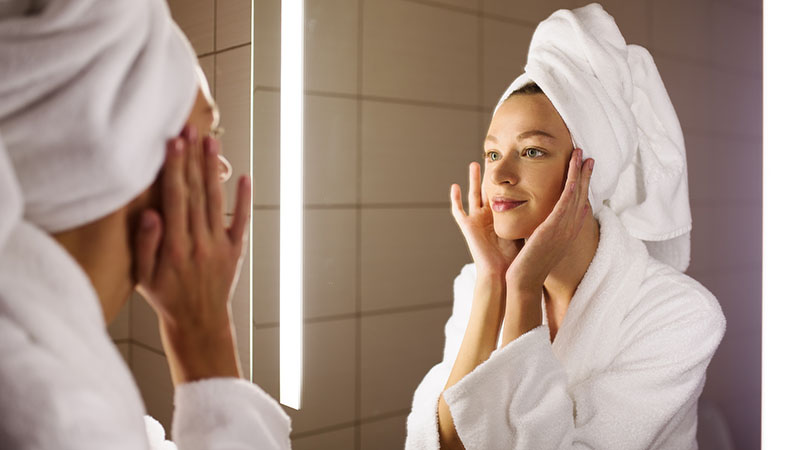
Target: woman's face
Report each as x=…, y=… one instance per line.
x=526, y=153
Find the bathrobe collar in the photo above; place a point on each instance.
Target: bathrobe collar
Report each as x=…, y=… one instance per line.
x=583, y=341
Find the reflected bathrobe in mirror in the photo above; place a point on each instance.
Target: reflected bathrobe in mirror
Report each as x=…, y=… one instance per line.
x=624, y=372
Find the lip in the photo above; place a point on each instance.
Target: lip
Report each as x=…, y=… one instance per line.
x=501, y=204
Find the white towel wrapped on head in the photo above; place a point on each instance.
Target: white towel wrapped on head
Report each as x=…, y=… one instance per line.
x=617, y=110
x=89, y=93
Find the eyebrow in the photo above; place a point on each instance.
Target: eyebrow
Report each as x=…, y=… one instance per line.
x=524, y=135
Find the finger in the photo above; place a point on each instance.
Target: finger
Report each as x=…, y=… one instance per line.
x=241, y=212
x=174, y=193
x=148, y=237
x=586, y=175
x=214, y=194
x=198, y=216
x=456, y=207
x=474, y=187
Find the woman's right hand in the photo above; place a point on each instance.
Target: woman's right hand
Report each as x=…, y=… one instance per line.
x=188, y=261
x=492, y=255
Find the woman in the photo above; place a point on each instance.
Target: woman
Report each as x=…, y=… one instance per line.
x=90, y=94
x=575, y=326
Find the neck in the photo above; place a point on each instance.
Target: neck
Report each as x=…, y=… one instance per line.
x=97, y=250
x=562, y=282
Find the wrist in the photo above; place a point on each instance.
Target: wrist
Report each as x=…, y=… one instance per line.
x=196, y=353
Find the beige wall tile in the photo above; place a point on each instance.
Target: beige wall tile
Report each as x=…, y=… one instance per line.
x=726, y=170
x=233, y=97
x=343, y=439
x=414, y=153
x=330, y=262
x=207, y=63
x=328, y=376
x=144, y=323
x=682, y=27
x=151, y=373
x=386, y=434
x=739, y=295
x=266, y=254
x=734, y=382
x=397, y=350
x=120, y=327
x=266, y=43
x=266, y=148
x=725, y=237
x=196, y=19
x=631, y=17
x=331, y=45
x=233, y=23
x=266, y=360
x=420, y=52
x=409, y=257
x=736, y=38
x=330, y=266
x=330, y=146
x=525, y=10
x=505, y=52
x=328, y=371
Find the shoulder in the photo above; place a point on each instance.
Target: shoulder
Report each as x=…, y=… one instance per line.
x=668, y=299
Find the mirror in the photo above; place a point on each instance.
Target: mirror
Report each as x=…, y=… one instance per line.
x=399, y=94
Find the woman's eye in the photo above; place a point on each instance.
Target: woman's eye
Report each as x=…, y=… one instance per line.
x=492, y=156
x=533, y=152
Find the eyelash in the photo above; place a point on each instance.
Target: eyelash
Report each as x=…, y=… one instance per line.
x=488, y=154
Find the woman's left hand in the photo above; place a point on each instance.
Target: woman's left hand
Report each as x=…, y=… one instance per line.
x=549, y=242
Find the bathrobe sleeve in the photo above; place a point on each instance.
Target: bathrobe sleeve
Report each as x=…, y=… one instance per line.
x=423, y=421
x=645, y=398
x=228, y=413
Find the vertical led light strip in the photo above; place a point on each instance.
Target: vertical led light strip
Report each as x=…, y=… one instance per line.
x=291, y=203
x=780, y=391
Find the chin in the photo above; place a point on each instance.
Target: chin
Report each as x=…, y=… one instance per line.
x=512, y=230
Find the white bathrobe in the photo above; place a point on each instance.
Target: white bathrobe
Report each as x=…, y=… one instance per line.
x=64, y=385
x=624, y=372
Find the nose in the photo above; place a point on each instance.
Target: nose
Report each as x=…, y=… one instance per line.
x=503, y=171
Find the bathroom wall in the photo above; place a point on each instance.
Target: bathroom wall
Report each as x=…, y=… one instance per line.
x=219, y=31
x=399, y=94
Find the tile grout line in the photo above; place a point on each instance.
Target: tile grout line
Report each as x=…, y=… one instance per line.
x=357, y=231
x=354, y=423
x=480, y=58
x=340, y=206
x=377, y=98
x=358, y=315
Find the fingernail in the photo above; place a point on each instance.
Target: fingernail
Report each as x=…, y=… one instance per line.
x=178, y=146
x=591, y=164
x=148, y=221
x=210, y=145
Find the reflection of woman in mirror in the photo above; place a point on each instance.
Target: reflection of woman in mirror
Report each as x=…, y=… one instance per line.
x=575, y=326
x=93, y=205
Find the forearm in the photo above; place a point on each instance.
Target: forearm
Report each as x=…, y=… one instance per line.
x=196, y=354
x=523, y=312
x=480, y=340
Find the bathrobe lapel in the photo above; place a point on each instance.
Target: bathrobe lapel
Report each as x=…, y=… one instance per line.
x=586, y=340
